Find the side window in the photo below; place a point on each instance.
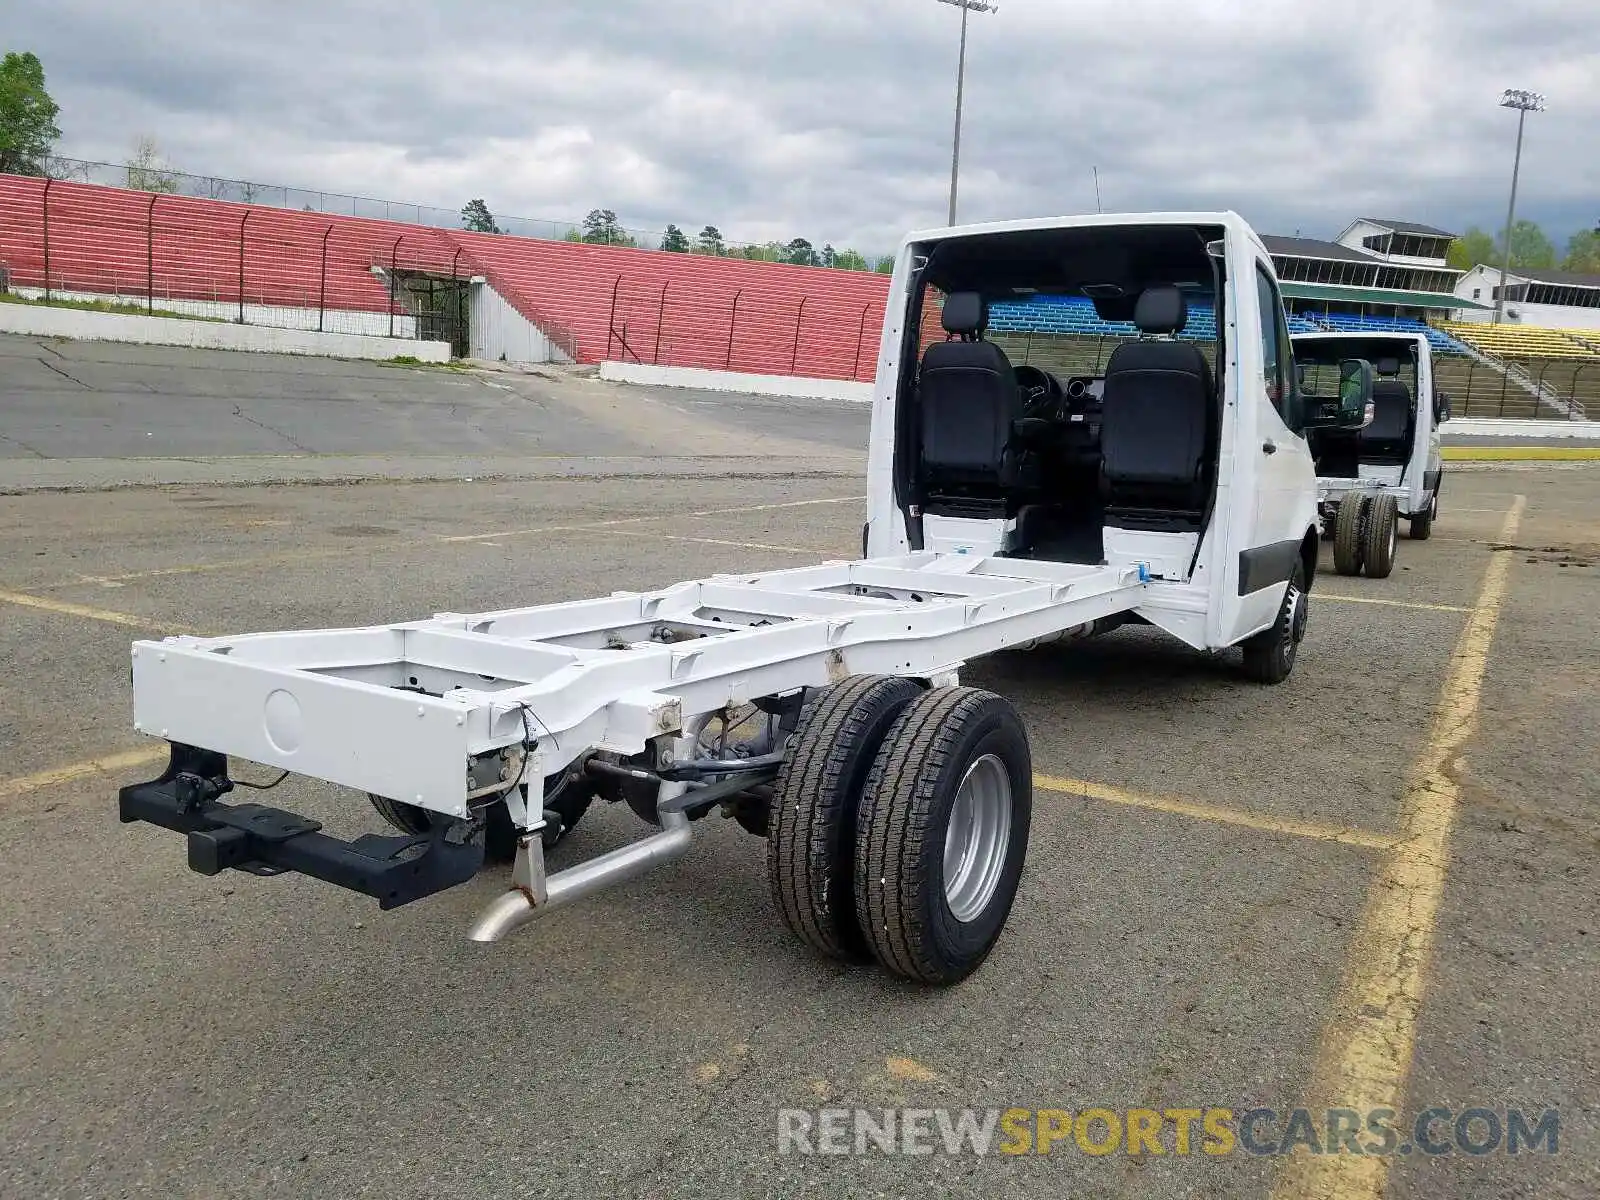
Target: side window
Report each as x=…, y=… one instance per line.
x=1276, y=357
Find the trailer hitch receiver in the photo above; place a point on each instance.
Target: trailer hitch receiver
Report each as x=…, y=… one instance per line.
x=259, y=840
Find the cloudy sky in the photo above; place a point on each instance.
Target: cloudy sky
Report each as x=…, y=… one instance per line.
x=831, y=119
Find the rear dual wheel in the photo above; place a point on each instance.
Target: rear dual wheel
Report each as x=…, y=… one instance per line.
x=1366, y=535
x=899, y=826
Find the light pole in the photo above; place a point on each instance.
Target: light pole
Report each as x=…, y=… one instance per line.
x=1524, y=103
x=966, y=7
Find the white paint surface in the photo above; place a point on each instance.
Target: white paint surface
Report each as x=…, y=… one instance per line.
x=39, y=321
x=737, y=381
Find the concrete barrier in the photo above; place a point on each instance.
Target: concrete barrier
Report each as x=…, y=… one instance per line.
x=1495, y=427
x=798, y=387
x=44, y=321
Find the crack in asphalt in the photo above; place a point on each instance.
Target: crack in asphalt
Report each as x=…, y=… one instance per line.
x=19, y=442
x=239, y=412
x=44, y=362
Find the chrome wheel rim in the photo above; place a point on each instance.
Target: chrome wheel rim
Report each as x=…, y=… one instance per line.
x=1394, y=537
x=1298, y=615
x=976, y=839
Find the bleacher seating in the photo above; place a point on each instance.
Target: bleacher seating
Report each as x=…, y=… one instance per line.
x=691, y=310
x=1074, y=316
x=1520, y=341
x=129, y=243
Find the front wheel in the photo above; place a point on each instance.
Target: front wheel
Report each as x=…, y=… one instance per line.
x=1348, y=529
x=1269, y=656
x=941, y=834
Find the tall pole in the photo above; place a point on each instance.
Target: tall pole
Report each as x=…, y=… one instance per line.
x=967, y=7
x=1524, y=102
x=961, y=83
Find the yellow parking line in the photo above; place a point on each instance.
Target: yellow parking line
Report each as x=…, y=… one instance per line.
x=1365, y=1053
x=1216, y=813
x=104, y=765
x=1521, y=453
x=1455, y=608
x=93, y=614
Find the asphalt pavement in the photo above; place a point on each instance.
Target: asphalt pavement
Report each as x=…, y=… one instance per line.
x=1208, y=901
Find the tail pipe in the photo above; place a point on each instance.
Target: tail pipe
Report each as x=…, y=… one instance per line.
x=536, y=895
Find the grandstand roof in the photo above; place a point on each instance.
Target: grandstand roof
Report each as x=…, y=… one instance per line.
x=1297, y=247
x=1410, y=227
x=1361, y=295
x=1583, y=279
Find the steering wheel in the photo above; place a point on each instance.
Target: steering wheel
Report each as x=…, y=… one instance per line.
x=1040, y=390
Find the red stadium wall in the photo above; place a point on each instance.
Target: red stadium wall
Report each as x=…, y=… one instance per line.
x=687, y=310
x=122, y=242
x=595, y=302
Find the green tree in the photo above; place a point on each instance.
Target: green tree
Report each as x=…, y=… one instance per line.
x=601, y=228
x=800, y=253
x=1471, y=249
x=477, y=218
x=885, y=266
x=1529, y=247
x=828, y=257
x=710, y=242
x=149, y=172
x=27, y=116
x=1583, y=253
x=675, y=241
x=850, y=260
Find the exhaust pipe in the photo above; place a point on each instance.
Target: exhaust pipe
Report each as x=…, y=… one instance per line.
x=536, y=895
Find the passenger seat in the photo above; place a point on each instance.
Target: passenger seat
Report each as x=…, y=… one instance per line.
x=1159, y=422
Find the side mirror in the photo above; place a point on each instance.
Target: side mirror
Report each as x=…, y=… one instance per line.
x=1354, y=408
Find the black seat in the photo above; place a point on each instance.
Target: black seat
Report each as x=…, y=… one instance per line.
x=1158, y=422
x=1387, y=440
x=970, y=402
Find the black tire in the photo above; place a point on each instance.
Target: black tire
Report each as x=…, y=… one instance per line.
x=904, y=821
x=1380, y=537
x=811, y=824
x=1269, y=656
x=1420, y=527
x=1348, y=527
x=567, y=798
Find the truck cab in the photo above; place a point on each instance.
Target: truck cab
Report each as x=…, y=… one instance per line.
x=1184, y=453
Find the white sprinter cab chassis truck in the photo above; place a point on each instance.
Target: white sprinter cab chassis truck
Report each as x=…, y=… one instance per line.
x=819, y=707
x=1389, y=468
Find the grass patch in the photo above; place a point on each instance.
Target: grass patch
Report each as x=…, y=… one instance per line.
x=415, y=363
x=119, y=307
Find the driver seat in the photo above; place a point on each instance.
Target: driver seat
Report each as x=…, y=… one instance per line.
x=970, y=402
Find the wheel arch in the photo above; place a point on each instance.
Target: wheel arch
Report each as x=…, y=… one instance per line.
x=1310, y=548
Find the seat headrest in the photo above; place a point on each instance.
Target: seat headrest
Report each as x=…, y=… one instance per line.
x=1161, y=310
x=965, y=313
x=1387, y=366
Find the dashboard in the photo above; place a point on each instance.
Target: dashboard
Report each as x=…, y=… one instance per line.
x=1071, y=407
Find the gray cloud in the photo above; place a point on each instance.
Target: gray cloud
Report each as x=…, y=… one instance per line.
x=794, y=117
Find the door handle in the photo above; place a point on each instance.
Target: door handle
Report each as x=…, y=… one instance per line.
x=1270, y=448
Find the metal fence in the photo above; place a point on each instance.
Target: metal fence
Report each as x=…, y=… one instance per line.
x=681, y=322
x=1520, y=389
x=230, y=264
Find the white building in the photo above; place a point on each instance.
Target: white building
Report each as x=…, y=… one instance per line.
x=1551, y=299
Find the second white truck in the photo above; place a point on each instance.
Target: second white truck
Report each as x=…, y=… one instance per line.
x=1389, y=469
